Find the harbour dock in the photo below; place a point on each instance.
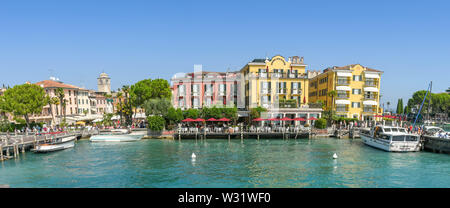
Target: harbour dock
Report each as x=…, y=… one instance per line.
x=250, y=134
x=12, y=145
x=436, y=144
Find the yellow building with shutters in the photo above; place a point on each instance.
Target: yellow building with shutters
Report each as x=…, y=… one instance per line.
x=279, y=85
x=357, y=91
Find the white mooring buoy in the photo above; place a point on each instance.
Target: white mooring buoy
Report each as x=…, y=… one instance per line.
x=335, y=156
x=193, y=155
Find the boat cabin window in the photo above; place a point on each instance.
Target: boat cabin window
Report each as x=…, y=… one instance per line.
x=385, y=137
x=398, y=138
x=387, y=129
x=402, y=130
x=394, y=130
x=411, y=138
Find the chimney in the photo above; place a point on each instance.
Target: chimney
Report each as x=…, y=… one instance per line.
x=301, y=60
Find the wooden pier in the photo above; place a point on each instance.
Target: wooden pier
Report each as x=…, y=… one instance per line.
x=435, y=144
x=12, y=145
x=244, y=135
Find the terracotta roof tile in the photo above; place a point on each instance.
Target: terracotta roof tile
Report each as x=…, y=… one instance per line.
x=55, y=84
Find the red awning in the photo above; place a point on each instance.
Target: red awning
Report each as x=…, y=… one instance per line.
x=312, y=119
x=224, y=119
x=299, y=119
x=188, y=120
x=258, y=119
x=273, y=119
x=286, y=119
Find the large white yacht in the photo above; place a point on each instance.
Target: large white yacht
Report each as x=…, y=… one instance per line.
x=391, y=139
x=117, y=135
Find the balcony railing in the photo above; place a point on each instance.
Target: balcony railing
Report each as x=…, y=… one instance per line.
x=266, y=91
x=208, y=93
x=341, y=109
x=343, y=82
x=371, y=83
x=195, y=93
x=369, y=110
x=181, y=93
x=279, y=75
x=344, y=96
x=281, y=91
x=370, y=97
x=296, y=91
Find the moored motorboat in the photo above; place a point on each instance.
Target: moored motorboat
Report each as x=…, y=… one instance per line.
x=391, y=139
x=116, y=135
x=58, y=144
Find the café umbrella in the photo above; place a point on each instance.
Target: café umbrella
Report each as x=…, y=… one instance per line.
x=188, y=120
x=224, y=119
x=299, y=119
x=199, y=120
x=312, y=119
x=212, y=119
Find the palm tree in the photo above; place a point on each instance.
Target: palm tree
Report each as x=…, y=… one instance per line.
x=333, y=95
x=60, y=94
x=119, y=106
x=127, y=104
x=50, y=103
x=56, y=102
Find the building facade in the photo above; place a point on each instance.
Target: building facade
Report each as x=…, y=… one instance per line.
x=279, y=85
x=54, y=113
x=357, y=91
x=206, y=89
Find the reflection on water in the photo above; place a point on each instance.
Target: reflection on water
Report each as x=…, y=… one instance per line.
x=227, y=163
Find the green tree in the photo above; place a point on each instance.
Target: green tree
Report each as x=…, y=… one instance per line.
x=156, y=123
x=399, y=106
x=321, y=123
x=157, y=107
x=161, y=89
x=24, y=100
x=191, y=113
x=140, y=93
x=172, y=116
x=107, y=119
x=256, y=112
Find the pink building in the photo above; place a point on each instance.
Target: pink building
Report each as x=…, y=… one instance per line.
x=206, y=89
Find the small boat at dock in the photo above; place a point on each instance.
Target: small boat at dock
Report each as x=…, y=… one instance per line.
x=391, y=139
x=58, y=144
x=117, y=135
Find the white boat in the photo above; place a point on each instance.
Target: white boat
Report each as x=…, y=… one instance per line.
x=116, y=135
x=391, y=139
x=435, y=131
x=59, y=144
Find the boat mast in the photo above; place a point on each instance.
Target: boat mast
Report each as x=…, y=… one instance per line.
x=429, y=101
x=421, y=105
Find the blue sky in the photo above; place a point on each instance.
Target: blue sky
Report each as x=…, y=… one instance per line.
x=133, y=40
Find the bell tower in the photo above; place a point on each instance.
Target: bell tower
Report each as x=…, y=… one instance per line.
x=104, y=83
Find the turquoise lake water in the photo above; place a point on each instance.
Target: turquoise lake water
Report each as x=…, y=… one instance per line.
x=265, y=163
